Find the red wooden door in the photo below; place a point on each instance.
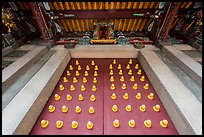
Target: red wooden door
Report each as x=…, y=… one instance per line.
x=103, y=117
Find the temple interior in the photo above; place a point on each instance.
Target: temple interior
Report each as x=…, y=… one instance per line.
x=101, y=68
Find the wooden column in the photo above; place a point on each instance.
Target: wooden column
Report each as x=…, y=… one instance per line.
x=36, y=9
x=170, y=16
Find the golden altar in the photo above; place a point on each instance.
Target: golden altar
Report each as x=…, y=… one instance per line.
x=94, y=41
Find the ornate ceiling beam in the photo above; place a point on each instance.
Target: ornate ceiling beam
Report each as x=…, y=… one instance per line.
x=103, y=14
x=180, y=13
x=37, y=12
x=173, y=8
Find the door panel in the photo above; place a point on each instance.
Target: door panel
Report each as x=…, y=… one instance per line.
x=122, y=115
x=104, y=116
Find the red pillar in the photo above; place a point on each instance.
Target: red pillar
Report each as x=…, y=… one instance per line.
x=35, y=7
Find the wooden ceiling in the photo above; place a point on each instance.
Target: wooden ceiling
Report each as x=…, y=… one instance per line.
x=120, y=24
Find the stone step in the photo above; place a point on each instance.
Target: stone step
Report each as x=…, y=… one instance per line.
x=185, y=62
x=20, y=115
x=181, y=75
x=27, y=47
x=7, y=50
x=183, y=47
x=9, y=58
x=104, y=51
x=195, y=44
x=182, y=106
x=20, y=66
x=17, y=85
x=198, y=59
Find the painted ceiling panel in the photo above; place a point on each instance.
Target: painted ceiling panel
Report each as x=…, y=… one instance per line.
x=89, y=5
x=183, y=4
x=61, y=5
x=26, y=6
x=147, y=23
x=129, y=6
x=142, y=26
x=51, y=6
x=188, y=5
x=120, y=24
x=21, y=5
x=69, y=25
x=66, y=5
x=134, y=24
x=112, y=6
x=129, y=25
